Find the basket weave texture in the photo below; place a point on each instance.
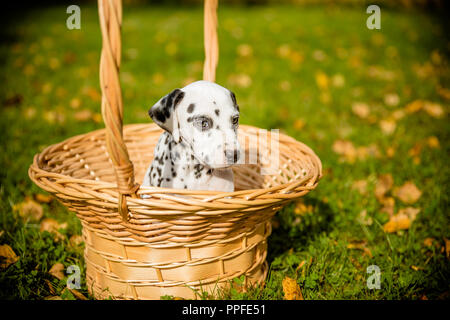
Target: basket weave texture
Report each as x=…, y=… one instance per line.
x=143, y=243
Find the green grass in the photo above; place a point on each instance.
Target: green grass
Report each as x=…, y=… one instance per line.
x=48, y=66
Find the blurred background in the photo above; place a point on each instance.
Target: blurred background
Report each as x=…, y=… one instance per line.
x=373, y=105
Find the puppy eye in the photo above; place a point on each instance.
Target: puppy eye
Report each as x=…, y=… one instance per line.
x=203, y=123
x=235, y=120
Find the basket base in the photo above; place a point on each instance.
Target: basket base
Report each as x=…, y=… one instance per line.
x=134, y=270
x=148, y=292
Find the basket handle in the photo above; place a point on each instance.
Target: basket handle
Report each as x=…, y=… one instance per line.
x=110, y=15
x=211, y=41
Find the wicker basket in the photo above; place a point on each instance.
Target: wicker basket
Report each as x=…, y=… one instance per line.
x=176, y=242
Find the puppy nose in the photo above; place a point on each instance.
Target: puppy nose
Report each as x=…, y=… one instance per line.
x=232, y=155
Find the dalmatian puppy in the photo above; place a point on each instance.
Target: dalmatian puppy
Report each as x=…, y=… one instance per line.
x=200, y=142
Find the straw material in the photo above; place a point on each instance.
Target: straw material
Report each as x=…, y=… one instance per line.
x=177, y=240
x=142, y=243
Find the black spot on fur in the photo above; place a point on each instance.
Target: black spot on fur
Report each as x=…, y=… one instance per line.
x=189, y=119
x=191, y=108
x=209, y=172
x=167, y=179
x=198, y=170
x=217, y=111
x=217, y=127
x=159, y=171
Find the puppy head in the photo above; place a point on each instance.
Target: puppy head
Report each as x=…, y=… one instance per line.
x=204, y=116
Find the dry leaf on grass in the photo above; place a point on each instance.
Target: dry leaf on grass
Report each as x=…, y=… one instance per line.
x=76, y=240
x=322, y=80
x=384, y=184
x=388, y=126
x=43, y=198
x=301, y=208
x=83, y=115
x=402, y=220
x=364, y=219
x=361, y=109
x=433, y=142
x=360, y=186
x=414, y=106
x=299, y=124
x=391, y=99
x=408, y=193
x=291, y=289
x=52, y=226
x=388, y=205
x=396, y=223
x=346, y=149
x=7, y=256
x=50, y=287
x=53, y=298
x=29, y=210
x=57, y=270
x=410, y=212
x=77, y=294
x=428, y=242
x=433, y=109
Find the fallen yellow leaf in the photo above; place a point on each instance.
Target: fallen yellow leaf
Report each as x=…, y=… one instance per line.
x=408, y=193
x=43, y=198
x=291, y=289
x=410, y=212
x=433, y=109
x=396, y=223
x=301, y=208
x=428, y=242
x=361, y=109
x=57, y=270
x=299, y=124
x=76, y=240
x=29, y=210
x=83, y=115
x=391, y=99
x=360, y=186
x=7, y=256
x=346, y=149
x=433, y=142
x=77, y=294
x=384, y=184
x=52, y=226
x=414, y=106
x=245, y=50
x=53, y=298
x=388, y=126
x=322, y=80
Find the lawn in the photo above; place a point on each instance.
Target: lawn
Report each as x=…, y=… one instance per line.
x=371, y=103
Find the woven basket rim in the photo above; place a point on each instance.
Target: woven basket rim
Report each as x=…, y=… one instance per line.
x=205, y=199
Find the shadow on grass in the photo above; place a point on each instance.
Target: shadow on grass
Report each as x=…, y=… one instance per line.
x=298, y=231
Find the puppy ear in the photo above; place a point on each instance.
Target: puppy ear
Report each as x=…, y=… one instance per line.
x=233, y=98
x=164, y=113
